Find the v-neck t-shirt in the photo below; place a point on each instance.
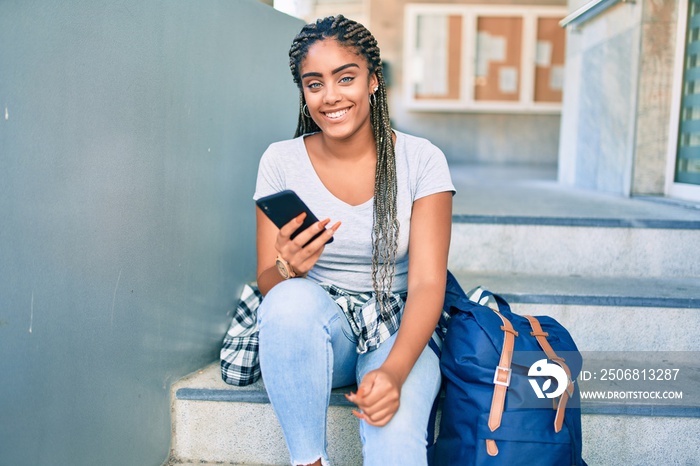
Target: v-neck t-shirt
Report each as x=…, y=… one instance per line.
x=421, y=170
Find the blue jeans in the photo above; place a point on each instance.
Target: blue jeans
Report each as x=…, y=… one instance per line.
x=306, y=349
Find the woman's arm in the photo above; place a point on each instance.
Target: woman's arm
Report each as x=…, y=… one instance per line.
x=429, y=243
x=266, y=235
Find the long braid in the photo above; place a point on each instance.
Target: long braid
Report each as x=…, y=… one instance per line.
x=385, y=233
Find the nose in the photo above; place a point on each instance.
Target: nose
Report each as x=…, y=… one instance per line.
x=332, y=95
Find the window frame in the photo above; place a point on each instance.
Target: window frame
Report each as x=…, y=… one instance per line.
x=466, y=101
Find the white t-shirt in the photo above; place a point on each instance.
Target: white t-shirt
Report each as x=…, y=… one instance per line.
x=421, y=170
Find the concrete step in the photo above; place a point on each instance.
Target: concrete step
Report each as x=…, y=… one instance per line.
x=508, y=191
x=567, y=245
x=506, y=220
x=605, y=313
x=640, y=440
x=220, y=424
x=216, y=422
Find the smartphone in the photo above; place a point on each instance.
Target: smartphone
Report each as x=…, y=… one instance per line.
x=285, y=205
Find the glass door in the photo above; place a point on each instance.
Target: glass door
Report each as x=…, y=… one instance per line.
x=683, y=174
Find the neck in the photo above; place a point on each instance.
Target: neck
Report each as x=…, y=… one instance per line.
x=359, y=146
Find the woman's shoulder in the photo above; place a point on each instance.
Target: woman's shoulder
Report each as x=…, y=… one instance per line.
x=283, y=152
x=285, y=145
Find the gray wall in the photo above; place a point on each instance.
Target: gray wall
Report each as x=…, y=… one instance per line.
x=600, y=89
x=617, y=99
x=485, y=138
x=129, y=138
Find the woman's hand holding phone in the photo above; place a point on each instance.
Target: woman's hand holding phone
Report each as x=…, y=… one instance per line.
x=302, y=252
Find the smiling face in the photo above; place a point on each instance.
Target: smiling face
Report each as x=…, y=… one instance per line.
x=337, y=84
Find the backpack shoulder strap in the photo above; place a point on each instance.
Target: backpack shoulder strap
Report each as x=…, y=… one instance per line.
x=501, y=380
x=541, y=337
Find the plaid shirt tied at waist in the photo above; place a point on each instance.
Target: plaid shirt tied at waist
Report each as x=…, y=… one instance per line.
x=370, y=326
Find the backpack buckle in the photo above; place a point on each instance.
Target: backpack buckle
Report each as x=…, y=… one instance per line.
x=500, y=374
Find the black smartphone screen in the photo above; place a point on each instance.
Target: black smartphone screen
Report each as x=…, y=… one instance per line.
x=285, y=205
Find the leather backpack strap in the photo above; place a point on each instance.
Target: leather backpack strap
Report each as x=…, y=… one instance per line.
x=541, y=337
x=501, y=378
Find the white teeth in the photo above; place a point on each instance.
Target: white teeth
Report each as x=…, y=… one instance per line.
x=337, y=114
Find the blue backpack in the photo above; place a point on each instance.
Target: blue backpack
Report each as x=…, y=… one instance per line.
x=511, y=396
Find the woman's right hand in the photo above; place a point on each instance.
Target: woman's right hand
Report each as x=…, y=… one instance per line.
x=272, y=241
x=296, y=252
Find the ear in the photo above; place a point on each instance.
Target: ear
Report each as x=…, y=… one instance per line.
x=373, y=82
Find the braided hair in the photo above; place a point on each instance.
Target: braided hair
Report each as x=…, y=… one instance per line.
x=385, y=232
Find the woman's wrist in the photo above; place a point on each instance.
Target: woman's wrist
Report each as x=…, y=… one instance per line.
x=397, y=368
x=287, y=270
x=268, y=279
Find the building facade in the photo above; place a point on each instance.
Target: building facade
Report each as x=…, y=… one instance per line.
x=625, y=119
x=628, y=121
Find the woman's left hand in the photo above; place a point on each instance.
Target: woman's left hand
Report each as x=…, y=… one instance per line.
x=377, y=397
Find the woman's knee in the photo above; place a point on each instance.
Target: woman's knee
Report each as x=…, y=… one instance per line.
x=291, y=303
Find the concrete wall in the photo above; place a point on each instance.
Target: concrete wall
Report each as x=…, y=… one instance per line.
x=619, y=71
x=463, y=136
x=656, y=78
x=129, y=139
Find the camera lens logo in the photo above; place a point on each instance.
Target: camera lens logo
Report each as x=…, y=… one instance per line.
x=542, y=368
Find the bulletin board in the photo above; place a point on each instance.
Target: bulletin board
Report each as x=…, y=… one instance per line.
x=483, y=57
x=498, y=55
x=440, y=63
x=549, y=60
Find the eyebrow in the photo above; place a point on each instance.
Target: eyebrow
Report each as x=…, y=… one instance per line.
x=335, y=71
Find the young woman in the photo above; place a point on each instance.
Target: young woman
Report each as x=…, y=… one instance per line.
x=363, y=308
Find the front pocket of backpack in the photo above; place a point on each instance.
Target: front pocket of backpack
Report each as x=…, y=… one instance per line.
x=525, y=437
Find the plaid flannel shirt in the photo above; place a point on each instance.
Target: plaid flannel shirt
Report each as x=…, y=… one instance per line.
x=370, y=326
x=239, y=353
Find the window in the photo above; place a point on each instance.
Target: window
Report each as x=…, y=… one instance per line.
x=483, y=58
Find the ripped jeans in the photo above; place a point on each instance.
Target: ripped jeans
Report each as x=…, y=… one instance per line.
x=307, y=348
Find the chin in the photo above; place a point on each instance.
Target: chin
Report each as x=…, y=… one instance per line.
x=339, y=133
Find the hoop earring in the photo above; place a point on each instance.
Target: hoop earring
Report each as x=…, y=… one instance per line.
x=305, y=111
x=372, y=100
